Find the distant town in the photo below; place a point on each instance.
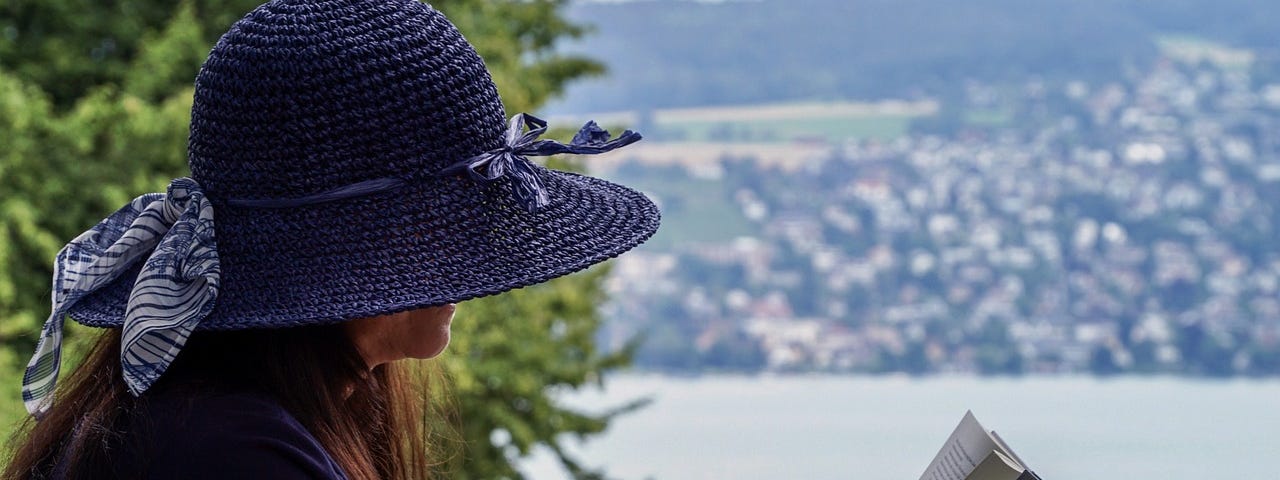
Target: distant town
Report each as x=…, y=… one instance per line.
x=1044, y=227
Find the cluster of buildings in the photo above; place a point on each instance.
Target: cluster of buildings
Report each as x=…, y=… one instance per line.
x=1124, y=227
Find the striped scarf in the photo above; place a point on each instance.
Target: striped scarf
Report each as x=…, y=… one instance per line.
x=176, y=288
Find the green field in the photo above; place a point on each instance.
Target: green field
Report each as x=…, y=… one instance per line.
x=988, y=117
x=1192, y=49
x=693, y=211
x=788, y=130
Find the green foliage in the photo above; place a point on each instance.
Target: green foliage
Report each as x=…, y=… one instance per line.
x=68, y=47
x=507, y=352
x=517, y=40
x=95, y=100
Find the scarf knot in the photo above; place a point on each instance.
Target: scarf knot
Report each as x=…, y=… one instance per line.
x=173, y=235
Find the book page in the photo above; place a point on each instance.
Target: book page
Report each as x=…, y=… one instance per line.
x=996, y=467
x=968, y=445
x=1008, y=452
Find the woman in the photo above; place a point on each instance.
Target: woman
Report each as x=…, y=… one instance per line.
x=352, y=180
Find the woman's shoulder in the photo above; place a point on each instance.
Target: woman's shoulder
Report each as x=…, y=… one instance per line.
x=221, y=435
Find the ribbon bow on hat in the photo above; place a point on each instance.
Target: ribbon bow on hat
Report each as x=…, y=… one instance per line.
x=512, y=159
x=173, y=292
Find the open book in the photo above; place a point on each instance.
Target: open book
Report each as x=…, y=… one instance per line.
x=973, y=453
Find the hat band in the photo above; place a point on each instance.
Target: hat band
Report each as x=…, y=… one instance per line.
x=511, y=160
x=359, y=189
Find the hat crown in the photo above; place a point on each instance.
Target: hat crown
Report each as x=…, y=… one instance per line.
x=304, y=96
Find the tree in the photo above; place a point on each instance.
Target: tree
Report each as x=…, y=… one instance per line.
x=95, y=100
x=68, y=47
x=510, y=351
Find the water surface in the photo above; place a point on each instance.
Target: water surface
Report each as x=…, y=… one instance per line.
x=836, y=427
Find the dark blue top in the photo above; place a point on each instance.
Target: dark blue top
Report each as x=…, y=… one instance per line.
x=221, y=436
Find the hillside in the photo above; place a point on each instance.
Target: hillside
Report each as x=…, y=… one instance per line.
x=668, y=53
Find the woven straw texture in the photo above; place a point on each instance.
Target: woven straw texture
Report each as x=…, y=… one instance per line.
x=303, y=97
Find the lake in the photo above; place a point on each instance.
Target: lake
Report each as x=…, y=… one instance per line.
x=850, y=427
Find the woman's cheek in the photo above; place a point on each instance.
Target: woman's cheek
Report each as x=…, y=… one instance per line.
x=429, y=335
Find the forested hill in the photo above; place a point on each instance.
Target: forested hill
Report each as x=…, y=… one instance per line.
x=665, y=53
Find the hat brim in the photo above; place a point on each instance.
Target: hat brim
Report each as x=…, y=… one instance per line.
x=434, y=242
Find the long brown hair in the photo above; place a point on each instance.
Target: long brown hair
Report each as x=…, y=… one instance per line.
x=376, y=424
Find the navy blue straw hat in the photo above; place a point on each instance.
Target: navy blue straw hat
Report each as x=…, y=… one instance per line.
x=354, y=159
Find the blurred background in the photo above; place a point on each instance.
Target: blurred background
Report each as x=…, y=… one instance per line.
x=1060, y=214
